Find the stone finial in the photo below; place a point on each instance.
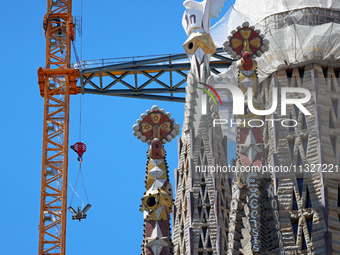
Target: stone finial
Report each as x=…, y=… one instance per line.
x=246, y=39
x=156, y=124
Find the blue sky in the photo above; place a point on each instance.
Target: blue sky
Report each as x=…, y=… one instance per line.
x=114, y=164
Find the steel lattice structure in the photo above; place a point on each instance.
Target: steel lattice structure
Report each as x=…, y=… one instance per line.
x=153, y=88
x=57, y=81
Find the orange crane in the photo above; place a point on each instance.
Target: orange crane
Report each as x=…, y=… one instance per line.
x=57, y=81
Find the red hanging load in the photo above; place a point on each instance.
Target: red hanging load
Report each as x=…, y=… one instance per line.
x=79, y=148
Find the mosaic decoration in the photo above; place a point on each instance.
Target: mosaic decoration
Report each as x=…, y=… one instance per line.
x=156, y=124
x=246, y=39
x=196, y=41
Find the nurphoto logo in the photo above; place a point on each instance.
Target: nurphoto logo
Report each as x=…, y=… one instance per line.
x=238, y=103
x=204, y=97
x=238, y=100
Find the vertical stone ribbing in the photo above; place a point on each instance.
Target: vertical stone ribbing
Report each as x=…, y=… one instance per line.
x=308, y=199
x=201, y=196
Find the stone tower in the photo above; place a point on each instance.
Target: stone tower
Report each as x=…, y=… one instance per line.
x=254, y=226
x=304, y=53
x=202, y=197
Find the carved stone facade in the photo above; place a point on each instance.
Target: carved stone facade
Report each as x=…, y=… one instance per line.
x=308, y=200
x=283, y=212
x=202, y=198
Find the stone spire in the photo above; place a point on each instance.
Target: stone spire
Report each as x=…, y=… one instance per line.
x=253, y=214
x=156, y=128
x=202, y=197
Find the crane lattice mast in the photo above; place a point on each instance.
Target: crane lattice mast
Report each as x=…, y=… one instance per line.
x=57, y=81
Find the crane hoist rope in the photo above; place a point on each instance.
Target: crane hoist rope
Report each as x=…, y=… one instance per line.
x=79, y=148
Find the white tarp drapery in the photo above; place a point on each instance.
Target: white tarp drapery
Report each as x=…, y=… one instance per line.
x=299, y=32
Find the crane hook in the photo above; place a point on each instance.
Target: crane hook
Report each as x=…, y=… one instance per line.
x=79, y=148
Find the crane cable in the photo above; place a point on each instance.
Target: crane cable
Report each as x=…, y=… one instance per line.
x=81, y=30
x=80, y=106
x=80, y=172
x=80, y=118
x=75, y=186
x=74, y=189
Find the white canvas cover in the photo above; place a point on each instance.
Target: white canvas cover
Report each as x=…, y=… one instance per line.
x=298, y=31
